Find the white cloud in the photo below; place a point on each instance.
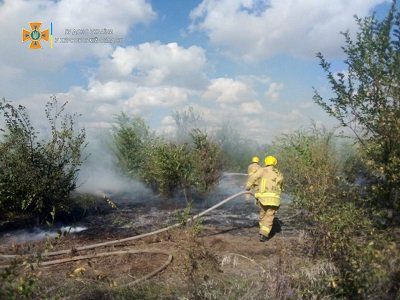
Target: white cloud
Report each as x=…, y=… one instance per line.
x=10, y=72
x=273, y=91
x=155, y=79
x=293, y=115
x=251, y=108
x=168, y=125
x=258, y=29
x=168, y=121
x=98, y=108
x=253, y=120
x=134, y=90
x=155, y=63
x=227, y=91
x=51, y=70
x=118, y=15
x=110, y=90
x=157, y=97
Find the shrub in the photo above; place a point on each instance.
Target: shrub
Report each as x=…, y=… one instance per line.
x=237, y=149
x=191, y=163
x=340, y=227
x=37, y=176
x=311, y=168
x=366, y=101
x=17, y=282
x=132, y=139
x=207, y=158
x=169, y=167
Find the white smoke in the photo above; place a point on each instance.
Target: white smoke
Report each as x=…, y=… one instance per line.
x=37, y=234
x=99, y=174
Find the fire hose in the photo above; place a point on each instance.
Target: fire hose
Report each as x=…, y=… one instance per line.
x=118, y=241
x=234, y=174
x=135, y=237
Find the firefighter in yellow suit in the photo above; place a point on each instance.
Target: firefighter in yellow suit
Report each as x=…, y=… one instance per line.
x=268, y=194
x=251, y=169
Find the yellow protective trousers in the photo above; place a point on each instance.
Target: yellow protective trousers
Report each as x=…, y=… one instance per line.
x=267, y=215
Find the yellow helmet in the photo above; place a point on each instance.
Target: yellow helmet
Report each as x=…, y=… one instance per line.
x=270, y=161
x=255, y=159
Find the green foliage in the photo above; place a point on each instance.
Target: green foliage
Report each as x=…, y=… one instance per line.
x=17, y=283
x=236, y=147
x=340, y=227
x=195, y=226
x=367, y=100
x=193, y=163
x=310, y=166
x=207, y=158
x=37, y=176
x=131, y=141
x=169, y=167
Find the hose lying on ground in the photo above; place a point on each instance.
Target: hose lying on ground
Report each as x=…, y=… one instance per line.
x=102, y=254
x=131, y=251
x=132, y=238
x=121, y=252
x=234, y=174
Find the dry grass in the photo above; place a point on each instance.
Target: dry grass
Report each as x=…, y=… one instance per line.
x=208, y=266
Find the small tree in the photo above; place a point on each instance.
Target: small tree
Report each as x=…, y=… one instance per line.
x=207, y=159
x=338, y=228
x=37, y=176
x=132, y=138
x=190, y=163
x=367, y=99
x=170, y=168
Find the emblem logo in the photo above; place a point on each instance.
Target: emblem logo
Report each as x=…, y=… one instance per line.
x=35, y=35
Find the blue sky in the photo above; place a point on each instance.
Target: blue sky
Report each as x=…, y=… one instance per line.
x=250, y=62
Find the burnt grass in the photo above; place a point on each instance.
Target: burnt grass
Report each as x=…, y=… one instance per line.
x=221, y=255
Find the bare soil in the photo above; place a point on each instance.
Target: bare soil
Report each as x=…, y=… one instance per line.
x=226, y=245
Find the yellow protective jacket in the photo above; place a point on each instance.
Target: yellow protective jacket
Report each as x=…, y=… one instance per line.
x=251, y=169
x=270, y=185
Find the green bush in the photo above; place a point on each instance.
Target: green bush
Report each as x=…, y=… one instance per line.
x=207, y=158
x=131, y=141
x=311, y=167
x=236, y=147
x=192, y=163
x=340, y=227
x=365, y=100
x=37, y=176
x=169, y=168
x=17, y=282
x=364, y=195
